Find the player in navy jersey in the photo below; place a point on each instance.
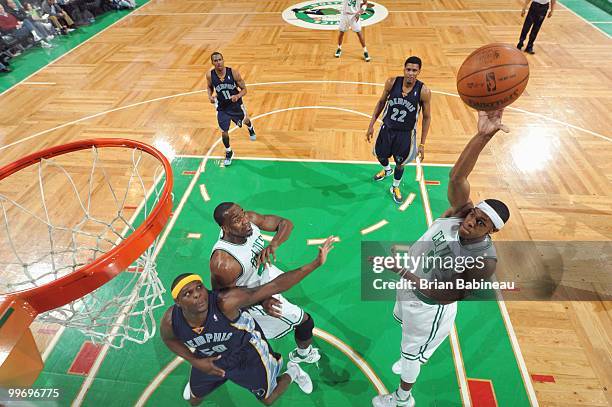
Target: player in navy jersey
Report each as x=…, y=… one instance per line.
x=221, y=341
x=402, y=100
x=226, y=89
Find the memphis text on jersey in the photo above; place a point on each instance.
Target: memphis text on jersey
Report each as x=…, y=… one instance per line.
x=403, y=102
x=423, y=284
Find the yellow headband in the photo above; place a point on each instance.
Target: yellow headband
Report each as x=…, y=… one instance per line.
x=182, y=283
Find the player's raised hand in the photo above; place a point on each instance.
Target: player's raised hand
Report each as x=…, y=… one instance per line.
x=369, y=134
x=490, y=123
x=272, y=306
x=324, y=249
x=267, y=254
x=208, y=366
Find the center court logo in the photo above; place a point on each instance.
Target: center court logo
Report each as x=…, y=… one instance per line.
x=325, y=15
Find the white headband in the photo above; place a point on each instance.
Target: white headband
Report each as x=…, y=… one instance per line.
x=486, y=208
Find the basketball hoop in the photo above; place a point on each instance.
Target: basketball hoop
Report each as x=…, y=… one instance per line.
x=72, y=218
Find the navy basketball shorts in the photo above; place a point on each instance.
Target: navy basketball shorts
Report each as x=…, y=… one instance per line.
x=255, y=370
x=401, y=144
x=233, y=113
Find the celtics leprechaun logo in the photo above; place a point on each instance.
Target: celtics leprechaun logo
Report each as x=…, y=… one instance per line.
x=325, y=15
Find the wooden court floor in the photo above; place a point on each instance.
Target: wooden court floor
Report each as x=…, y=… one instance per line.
x=143, y=78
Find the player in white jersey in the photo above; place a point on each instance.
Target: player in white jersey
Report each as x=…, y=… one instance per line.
x=350, y=18
x=454, y=252
x=239, y=259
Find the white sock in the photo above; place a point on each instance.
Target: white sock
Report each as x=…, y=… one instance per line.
x=396, y=182
x=402, y=394
x=228, y=149
x=35, y=36
x=387, y=167
x=304, y=352
x=340, y=46
x=365, y=49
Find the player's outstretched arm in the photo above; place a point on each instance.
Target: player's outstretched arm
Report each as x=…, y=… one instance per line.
x=232, y=300
x=206, y=365
x=380, y=105
x=489, y=123
x=271, y=223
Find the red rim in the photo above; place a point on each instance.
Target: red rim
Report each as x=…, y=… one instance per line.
x=92, y=276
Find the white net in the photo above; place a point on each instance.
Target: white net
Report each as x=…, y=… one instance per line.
x=65, y=212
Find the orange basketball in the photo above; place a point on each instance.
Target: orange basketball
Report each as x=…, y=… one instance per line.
x=492, y=77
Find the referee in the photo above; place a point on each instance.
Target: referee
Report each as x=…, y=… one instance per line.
x=534, y=20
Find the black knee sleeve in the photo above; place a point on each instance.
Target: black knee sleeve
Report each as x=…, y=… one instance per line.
x=303, y=331
x=399, y=171
x=383, y=161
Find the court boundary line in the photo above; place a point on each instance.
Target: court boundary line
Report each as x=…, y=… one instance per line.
x=194, y=92
x=314, y=160
x=585, y=20
x=236, y=13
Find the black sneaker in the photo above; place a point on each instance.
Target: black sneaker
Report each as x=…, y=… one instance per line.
x=529, y=51
x=228, y=158
x=519, y=45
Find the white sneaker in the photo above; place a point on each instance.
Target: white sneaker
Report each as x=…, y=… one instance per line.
x=301, y=378
x=312, y=357
x=389, y=400
x=45, y=44
x=397, y=367
x=187, y=392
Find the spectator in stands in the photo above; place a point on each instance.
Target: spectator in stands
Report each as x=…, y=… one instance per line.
x=20, y=29
x=36, y=16
x=21, y=15
x=60, y=19
x=4, y=58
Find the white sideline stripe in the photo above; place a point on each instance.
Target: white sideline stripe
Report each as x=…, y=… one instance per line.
x=419, y=172
x=374, y=227
x=454, y=340
x=204, y=193
x=238, y=13
x=40, y=133
x=326, y=336
x=354, y=356
x=407, y=202
x=194, y=235
x=533, y=400
x=585, y=20
x=312, y=242
x=311, y=160
x=53, y=342
x=161, y=376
